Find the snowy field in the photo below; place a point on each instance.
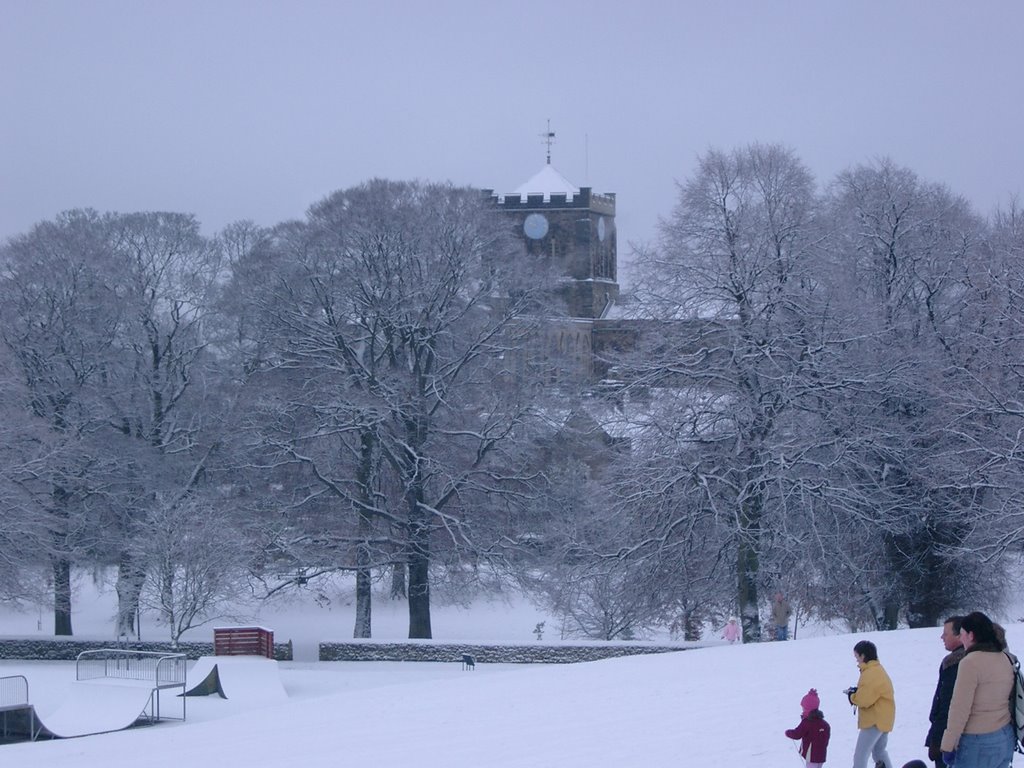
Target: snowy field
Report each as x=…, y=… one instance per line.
x=714, y=706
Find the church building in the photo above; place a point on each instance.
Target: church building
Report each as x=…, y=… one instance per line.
x=574, y=228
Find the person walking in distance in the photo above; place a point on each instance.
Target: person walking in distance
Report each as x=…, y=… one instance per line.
x=944, y=688
x=731, y=633
x=875, y=701
x=780, y=616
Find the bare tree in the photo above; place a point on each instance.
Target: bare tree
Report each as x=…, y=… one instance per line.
x=198, y=559
x=60, y=318
x=395, y=305
x=989, y=350
x=731, y=281
x=25, y=447
x=155, y=384
x=104, y=321
x=906, y=253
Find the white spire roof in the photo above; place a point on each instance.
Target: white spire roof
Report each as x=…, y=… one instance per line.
x=548, y=182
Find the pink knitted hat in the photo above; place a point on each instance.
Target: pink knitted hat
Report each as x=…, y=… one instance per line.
x=810, y=701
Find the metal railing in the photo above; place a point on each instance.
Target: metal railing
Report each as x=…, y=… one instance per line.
x=162, y=670
x=13, y=692
x=159, y=670
x=14, y=704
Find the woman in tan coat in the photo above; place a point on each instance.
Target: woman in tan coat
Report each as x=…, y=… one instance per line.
x=978, y=732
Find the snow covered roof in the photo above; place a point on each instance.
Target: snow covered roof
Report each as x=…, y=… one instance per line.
x=548, y=182
x=624, y=307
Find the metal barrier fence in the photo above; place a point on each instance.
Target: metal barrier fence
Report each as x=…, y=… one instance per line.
x=158, y=670
x=161, y=670
x=16, y=714
x=13, y=692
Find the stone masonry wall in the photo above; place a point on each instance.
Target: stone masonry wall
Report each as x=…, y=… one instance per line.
x=483, y=654
x=38, y=649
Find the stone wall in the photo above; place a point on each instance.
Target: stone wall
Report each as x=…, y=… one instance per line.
x=495, y=654
x=53, y=649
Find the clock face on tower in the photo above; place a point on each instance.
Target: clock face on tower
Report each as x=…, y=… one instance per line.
x=601, y=229
x=536, y=226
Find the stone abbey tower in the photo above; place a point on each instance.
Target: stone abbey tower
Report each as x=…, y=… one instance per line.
x=574, y=228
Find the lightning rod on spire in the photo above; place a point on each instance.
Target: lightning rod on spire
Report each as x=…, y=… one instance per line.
x=549, y=139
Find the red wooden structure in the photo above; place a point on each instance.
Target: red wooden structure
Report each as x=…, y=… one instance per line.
x=243, y=641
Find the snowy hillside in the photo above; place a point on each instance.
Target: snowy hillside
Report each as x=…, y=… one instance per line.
x=717, y=706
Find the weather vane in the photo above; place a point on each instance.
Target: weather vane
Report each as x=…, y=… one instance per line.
x=549, y=139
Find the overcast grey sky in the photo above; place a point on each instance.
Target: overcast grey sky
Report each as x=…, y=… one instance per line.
x=256, y=109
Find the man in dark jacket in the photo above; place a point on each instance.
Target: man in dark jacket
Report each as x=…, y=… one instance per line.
x=944, y=688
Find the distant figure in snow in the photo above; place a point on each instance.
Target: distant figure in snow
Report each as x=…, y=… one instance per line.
x=813, y=731
x=731, y=631
x=780, y=616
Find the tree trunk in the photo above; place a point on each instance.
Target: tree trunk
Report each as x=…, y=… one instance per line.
x=167, y=596
x=692, y=626
x=748, y=566
x=419, y=571
x=363, y=626
x=398, y=586
x=62, y=597
x=130, y=578
x=746, y=578
x=364, y=595
x=61, y=565
x=891, y=617
x=419, y=592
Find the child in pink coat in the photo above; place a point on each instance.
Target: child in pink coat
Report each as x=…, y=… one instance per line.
x=732, y=630
x=812, y=731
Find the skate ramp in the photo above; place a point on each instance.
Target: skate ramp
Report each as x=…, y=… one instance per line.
x=208, y=676
x=249, y=679
x=97, y=707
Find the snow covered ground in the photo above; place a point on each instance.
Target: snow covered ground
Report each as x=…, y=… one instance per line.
x=714, y=706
